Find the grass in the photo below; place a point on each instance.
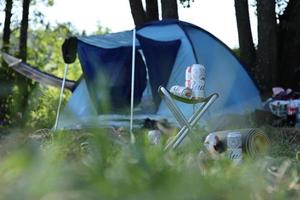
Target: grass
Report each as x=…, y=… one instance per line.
x=95, y=164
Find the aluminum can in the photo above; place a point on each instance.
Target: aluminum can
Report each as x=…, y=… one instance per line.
x=292, y=113
x=198, y=89
x=188, y=77
x=181, y=91
x=154, y=136
x=197, y=72
x=234, y=147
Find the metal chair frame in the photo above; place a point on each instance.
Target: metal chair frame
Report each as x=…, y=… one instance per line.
x=186, y=125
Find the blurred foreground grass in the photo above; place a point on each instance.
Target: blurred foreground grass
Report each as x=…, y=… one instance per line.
x=96, y=165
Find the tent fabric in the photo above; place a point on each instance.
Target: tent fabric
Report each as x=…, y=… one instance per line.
x=163, y=51
x=160, y=57
x=110, y=41
x=108, y=74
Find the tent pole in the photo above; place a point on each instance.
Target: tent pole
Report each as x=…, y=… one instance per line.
x=60, y=97
x=132, y=138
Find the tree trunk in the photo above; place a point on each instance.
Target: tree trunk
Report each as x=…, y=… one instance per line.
x=247, y=50
x=152, y=10
x=24, y=84
x=138, y=12
x=289, y=40
x=5, y=72
x=169, y=9
x=6, y=30
x=24, y=30
x=267, y=46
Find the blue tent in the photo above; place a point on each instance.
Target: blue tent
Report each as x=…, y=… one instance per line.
x=163, y=50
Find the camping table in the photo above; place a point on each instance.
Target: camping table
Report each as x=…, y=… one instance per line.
x=186, y=125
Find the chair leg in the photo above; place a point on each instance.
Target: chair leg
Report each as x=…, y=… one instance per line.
x=194, y=119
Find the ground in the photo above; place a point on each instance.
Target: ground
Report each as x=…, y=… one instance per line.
x=93, y=164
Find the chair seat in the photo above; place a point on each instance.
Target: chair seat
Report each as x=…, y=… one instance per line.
x=184, y=99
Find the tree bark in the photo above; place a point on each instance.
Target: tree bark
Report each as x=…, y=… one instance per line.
x=289, y=40
x=7, y=22
x=152, y=10
x=267, y=54
x=25, y=85
x=24, y=30
x=138, y=12
x=5, y=72
x=169, y=9
x=247, y=50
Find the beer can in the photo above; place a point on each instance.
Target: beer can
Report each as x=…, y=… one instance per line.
x=291, y=108
x=292, y=113
x=198, y=89
x=181, y=91
x=197, y=72
x=234, y=147
x=188, y=77
x=154, y=136
x=188, y=84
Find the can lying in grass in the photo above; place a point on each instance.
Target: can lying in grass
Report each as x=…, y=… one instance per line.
x=154, y=136
x=234, y=147
x=254, y=141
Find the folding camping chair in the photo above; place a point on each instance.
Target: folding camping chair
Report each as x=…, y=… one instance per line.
x=186, y=125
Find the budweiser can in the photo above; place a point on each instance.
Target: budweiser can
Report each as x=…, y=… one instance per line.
x=188, y=77
x=181, y=91
x=197, y=72
x=234, y=147
x=198, y=89
x=154, y=136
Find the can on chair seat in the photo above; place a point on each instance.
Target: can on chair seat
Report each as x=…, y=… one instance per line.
x=181, y=91
x=198, y=72
x=198, y=80
x=188, y=77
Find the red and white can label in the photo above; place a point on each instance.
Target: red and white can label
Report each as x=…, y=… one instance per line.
x=188, y=77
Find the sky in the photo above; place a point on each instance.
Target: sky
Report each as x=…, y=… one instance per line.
x=215, y=16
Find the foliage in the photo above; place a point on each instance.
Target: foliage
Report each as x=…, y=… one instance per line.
x=186, y=3
x=237, y=52
x=92, y=165
x=279, y=9
x=44, y=52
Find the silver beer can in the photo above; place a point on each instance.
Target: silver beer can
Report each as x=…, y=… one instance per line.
x=181, y=91
x=154, y=136
x=198, y=89
x=234, y=147
x=198, y=72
